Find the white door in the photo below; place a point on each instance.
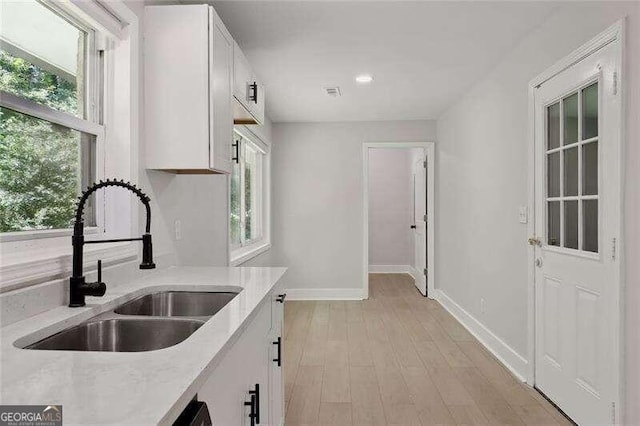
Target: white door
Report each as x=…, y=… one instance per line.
x=577, y=219
x=419, y=224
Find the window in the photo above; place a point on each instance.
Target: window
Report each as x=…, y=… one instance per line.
x=50, y=111
x=247, y=195
x=572, y=170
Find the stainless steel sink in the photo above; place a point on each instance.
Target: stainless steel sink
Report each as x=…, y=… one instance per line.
x=177, y=304
x=121, y=335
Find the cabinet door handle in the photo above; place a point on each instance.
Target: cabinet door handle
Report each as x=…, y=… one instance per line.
x=236, y=145
x=252, y=413
x=255, y=396
x=278, y=360
x=281, y=297
x=253, y=96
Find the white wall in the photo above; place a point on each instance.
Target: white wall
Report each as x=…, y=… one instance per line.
x=390, y=207
x=481, y=178
x=317, y=199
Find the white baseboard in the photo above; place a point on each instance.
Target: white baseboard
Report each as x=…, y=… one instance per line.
x=498, y=347
x=414, y=273
x=390, y=269
x=324, y=294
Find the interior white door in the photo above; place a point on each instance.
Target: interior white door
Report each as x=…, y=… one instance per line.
x=577, y=186
x=420, y=225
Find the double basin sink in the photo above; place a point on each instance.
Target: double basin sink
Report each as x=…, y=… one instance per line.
x=146, y=323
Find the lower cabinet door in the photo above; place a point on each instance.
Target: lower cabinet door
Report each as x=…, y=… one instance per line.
x=276, y=367
x=232, y=381
x=276, y=390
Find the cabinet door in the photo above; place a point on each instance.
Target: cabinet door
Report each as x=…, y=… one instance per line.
x=242, y=367
x=176, y=87
x=242, y=77
x=276, y=380
x=221, y=81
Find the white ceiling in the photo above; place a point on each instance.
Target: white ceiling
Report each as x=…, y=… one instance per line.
x=423, y=55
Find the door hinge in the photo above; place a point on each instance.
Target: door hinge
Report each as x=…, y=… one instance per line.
x=615, y=82
x=424, y=164
x=613, y=249
x=425, y=218
x=613, y=413
x=425, y=272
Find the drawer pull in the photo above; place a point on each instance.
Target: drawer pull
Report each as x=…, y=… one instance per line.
x=253, y=96
x=252, y=413
x=278, y=360
x=255, y=397
x=236, y=145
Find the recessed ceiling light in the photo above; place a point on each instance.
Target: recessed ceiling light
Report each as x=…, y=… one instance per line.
x=364, y=78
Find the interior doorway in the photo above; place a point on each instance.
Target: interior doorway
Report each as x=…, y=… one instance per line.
x=398, y=206
x=575, y=332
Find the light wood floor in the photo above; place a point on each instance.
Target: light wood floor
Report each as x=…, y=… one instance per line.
x=397, y=359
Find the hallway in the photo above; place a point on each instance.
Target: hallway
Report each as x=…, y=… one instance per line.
x=397, y=358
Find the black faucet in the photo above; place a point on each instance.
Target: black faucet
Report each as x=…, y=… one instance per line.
x=78, y=287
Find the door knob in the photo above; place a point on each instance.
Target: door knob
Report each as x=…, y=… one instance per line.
x=534, y=241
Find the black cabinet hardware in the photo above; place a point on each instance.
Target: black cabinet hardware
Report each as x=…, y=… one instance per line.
x=281, y=297
x=278, y=360
x=252, y=413
x=255, y=397
x=253, y=96
x=236, y=145
x=413, y=227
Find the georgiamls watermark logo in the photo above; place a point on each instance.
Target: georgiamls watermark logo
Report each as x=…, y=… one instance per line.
x=30, y=415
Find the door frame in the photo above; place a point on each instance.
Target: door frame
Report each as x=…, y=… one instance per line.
x=612, y=35
x=429, y=150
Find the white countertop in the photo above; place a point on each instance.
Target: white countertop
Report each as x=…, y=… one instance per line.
x=128, y=387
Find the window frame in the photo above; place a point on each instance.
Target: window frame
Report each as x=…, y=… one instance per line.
x=247, y=249
x=95, y=70
x=47, y=256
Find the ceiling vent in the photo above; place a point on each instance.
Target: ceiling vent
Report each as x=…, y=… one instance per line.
x=334, y=92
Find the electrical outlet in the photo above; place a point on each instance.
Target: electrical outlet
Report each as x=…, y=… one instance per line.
x=482, y=305
x=177, y=227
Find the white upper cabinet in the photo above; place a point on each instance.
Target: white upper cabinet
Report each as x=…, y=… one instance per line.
x=248, y=91
x=188, y=66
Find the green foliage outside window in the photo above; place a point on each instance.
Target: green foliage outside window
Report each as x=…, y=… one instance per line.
x=40, y=162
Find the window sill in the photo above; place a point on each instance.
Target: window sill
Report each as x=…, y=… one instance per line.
x=243, y=254
x=31, y=268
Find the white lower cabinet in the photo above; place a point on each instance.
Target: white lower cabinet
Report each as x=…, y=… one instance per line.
x=250, y=370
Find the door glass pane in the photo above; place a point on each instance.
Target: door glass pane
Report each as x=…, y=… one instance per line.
x=44, y=66
x=43, y=167
x=571, y=224
x=553, y=174
x=570, y=115
x=590, y=225
x=590, y=168
x=590, y=111
x=553, y=126
x=553, y=223
x=571, y=171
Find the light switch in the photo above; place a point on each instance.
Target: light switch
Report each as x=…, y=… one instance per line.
x=177, y=225
x=522, y=214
